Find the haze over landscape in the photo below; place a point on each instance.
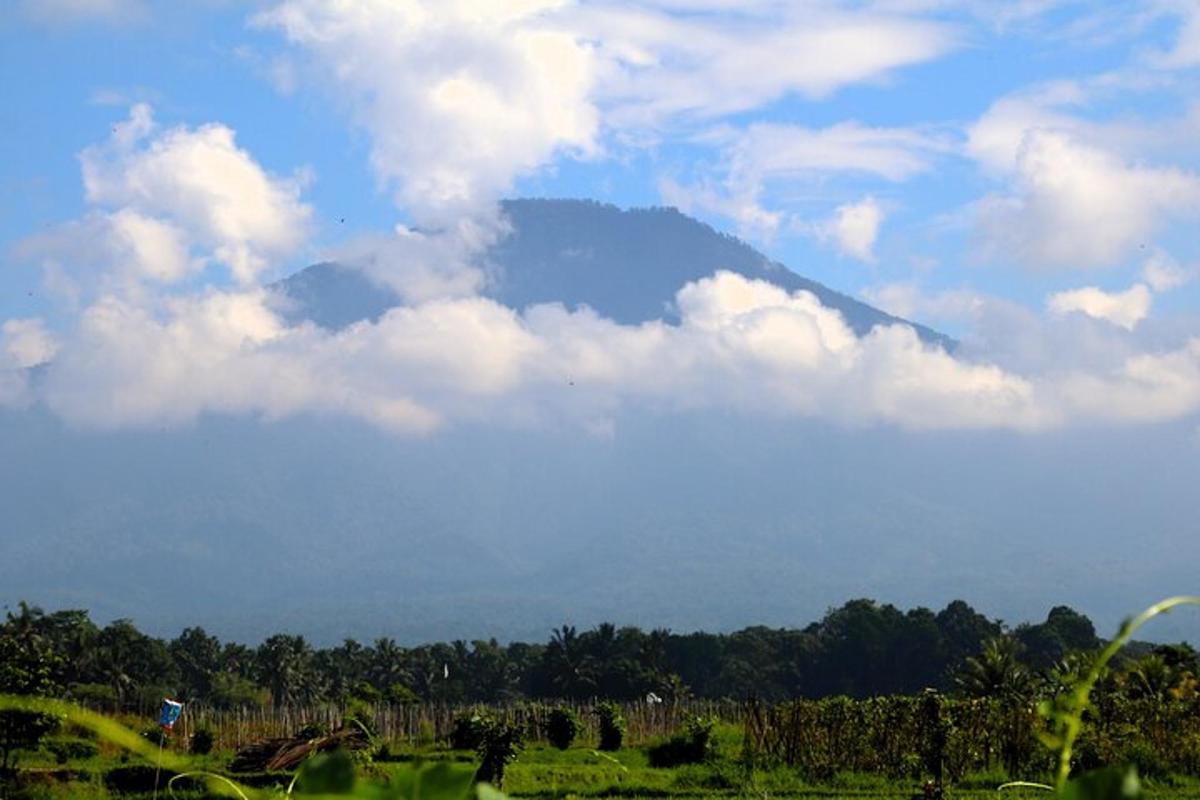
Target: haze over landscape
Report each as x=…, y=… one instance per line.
x=456, y=320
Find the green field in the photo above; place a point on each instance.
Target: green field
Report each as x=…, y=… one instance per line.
x=540, y=771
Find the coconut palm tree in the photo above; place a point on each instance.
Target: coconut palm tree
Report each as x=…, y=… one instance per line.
x=996, y=672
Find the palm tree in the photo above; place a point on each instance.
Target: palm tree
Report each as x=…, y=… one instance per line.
x=285, y=665
x=570, y=668
x=996, y=673
x=1151, y=678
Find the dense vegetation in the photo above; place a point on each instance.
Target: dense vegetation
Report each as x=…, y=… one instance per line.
x=1001, y=696
x=862, y=649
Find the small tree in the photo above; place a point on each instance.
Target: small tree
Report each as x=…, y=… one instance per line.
x=202, y=742
x=501, y=744
x=27, y=666
x=562, y=726
x=612, y=726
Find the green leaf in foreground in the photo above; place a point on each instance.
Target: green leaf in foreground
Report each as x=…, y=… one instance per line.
x=1113, y=783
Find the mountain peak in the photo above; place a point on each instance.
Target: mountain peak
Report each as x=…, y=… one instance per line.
x=626, y=264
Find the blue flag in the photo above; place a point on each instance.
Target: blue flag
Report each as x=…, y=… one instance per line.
x=170, y=713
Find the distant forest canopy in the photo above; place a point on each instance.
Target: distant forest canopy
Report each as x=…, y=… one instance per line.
x=861, y=649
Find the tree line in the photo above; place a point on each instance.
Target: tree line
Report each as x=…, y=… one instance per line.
x=862, y=649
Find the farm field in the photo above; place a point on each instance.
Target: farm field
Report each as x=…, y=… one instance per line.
x=539, y=770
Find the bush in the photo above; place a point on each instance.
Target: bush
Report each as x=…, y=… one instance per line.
x=202, y=742
x=467, y=731
x=691, y=746
x=500, y=745
x=562, y=726
x=612, y=726
x=66, y=749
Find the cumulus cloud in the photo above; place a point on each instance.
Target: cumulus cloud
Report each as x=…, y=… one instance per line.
x=1080, y=194
x=854, y=228
x=1126, y=308
x=1078, y=206
x=740, y=344
x=459, y=97
x=1163, y=273
x=163, y=207
x=27, y=342
x=195, y=183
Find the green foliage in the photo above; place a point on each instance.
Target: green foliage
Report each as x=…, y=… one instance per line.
x=27, y=666
x=202, y=742
x=69, y=748
x=997, y=672
x=440, y=781
x=562, y=726
x=326, y=773
x=693, y=745
x=468, y=730
x=400, y=695
x=500, y=745
x=612, y=726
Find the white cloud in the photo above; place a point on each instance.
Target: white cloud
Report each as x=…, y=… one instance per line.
x=420, y=266
x=196, y=186
x=27, y=342
x=1080, y=193
x=459, y=97
x=766, y=156
x=855, y=227
x=910, y=301
x=1163, y=273
x=666, y=60
x=1185, y=51
x=1077, y=206
x=741, y=344
x=24, y=343
x=1126, y=308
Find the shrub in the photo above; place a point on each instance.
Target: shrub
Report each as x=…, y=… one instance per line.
x=691, y=746
x=467, y=731
x=500, y=745
x=562, y=726
x=202, y=742
x=66, y=749
x=612, y=726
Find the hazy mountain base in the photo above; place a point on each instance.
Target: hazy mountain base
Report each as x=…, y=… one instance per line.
x=325, y=527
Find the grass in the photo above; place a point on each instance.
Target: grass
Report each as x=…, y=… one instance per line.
x=545, y=773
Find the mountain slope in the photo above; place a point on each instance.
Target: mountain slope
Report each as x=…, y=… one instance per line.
x=627, y=265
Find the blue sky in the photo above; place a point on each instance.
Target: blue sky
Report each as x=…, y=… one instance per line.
x=1000, y=171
